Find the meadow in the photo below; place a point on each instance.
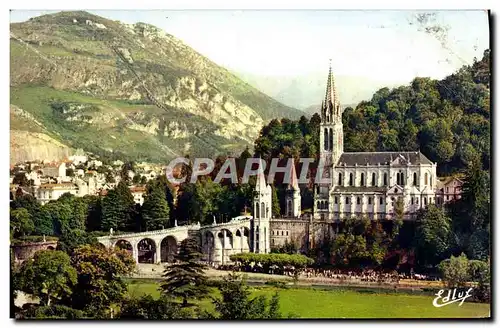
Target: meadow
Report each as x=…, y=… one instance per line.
x=315, y=302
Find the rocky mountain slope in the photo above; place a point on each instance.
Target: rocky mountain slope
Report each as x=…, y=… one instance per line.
x=129, y=90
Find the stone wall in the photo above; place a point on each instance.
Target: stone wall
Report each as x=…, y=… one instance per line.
x=303, y=232
x=26, y=251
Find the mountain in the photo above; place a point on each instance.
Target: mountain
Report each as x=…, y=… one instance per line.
x=313, y=109
x=303, y=90
x=129, y=91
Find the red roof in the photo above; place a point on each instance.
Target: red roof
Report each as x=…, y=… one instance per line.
x=137, y=189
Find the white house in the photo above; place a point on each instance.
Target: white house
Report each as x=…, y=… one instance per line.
x=48, y=192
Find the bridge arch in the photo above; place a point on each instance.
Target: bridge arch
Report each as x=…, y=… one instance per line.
x=168, y=249
x=225, y=237
x=208, y=245
x=226, y=242
x=146, y=250
x=124, y=244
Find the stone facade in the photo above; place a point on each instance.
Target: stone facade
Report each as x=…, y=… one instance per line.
x=367, y=183
x=27, y=250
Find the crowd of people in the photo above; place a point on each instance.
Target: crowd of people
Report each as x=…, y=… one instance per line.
x=334, y=275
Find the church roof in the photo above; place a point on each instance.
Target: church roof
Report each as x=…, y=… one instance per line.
x=382, y=158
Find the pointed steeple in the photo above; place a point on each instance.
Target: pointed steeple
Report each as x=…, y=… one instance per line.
x=294, y=184
x=261, y=179
x=331, y=93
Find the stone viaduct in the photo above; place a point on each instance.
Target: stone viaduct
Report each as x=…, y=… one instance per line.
x=218, y=241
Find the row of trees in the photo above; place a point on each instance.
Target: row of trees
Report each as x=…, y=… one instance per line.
x=459, y=271
x=448, y=120
x=89, y=284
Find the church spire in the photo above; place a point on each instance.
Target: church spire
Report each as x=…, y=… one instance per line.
x=294, y=184
x=261, y=179
x=331, y=93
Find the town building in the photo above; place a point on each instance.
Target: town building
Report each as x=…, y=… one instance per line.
x=139, y=192
x=54, y=170
x=52, y=191
x=449, y=189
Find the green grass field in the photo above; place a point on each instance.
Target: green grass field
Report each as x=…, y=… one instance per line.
x=343, y=303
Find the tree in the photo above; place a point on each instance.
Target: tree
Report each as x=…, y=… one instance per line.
x=479, y=271
x=148, y=308
x=136, y=179
x=42, y=224
x=276, y=210
x=48, y=276
x=61, y=214
x=127, y=203
x=236, y=304
x=155, y=210
x=455, y=271
x=118, y=209
x=432, y=237
x=20, y=179
x=78, y=211
x=111, y=211
x=186, y=278
x=55, y=311
x=110, y=178
x=94, y=213
x=99, y=278
x=190, y=204
x=21, y=223
x=74, y=238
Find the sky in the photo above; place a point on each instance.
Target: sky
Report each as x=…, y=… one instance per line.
x=386, y=46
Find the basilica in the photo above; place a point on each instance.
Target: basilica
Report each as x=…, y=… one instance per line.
x=363, y=183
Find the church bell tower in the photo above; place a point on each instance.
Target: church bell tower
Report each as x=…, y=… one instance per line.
x=331, y=128
x=262, y=207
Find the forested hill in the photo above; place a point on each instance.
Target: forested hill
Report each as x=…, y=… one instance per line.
x=125, y=91
x=448, y=120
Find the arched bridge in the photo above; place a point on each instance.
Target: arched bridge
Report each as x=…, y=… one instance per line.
x=218, y=241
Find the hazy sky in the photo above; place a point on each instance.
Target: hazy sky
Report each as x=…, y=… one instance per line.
x=388, y=46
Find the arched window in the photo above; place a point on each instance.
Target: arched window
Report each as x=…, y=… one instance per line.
x=340, y=179
x=351, y=179
x=385, y=179
x=425, y=199
x=373, y=180
x=257, y=212
x=289, y=208
x=362, y=179
x=331, y=140
x=402, y=178
x=431, y=181
x=326, y=139
x=415, y=178
x=412, y=200
x=398, y=182
x=426, y=177
x=262, y=210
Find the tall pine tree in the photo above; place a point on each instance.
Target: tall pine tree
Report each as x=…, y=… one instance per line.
x=155, y=210
x=186, y=278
